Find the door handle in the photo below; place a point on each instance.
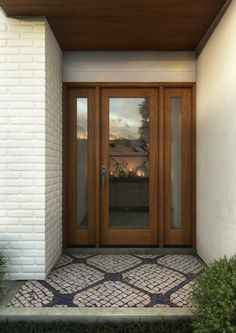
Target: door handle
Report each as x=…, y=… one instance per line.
x=104, y=175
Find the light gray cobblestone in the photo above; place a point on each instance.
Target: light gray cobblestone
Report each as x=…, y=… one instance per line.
x=114, y=281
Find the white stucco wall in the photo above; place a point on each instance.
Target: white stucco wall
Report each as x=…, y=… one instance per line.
x=28, y=112
x=129, y=67
x=216, y=142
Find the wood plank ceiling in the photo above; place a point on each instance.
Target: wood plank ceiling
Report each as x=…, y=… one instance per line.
x=135, y=25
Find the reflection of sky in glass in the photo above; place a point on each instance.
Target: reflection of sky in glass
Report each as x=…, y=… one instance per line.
x=82, y=114
x=125, y=118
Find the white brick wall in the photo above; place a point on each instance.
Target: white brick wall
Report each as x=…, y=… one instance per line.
x=30, y=107
x=53, y=150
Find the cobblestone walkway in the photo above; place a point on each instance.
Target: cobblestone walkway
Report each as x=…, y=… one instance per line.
x=114, y=281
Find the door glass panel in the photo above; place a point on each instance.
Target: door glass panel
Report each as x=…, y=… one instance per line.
x=176, y=117
x=82, y=179
x=129, y=162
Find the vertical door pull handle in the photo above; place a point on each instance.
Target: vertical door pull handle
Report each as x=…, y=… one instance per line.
x=104, y=175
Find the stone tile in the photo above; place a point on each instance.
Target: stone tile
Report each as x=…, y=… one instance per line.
x=72, y=278
x=113, y=263
x=153, y=278
x=32, y=293
x=147, y=256
x=64, y=260
x=183, y=263
x=161, y=306
x=181, y=297
x=111, y=294
x=113, y=281
x=81, y=256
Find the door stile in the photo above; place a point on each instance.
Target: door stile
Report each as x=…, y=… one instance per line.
x=194, y=166
x=153, y=178
x=72, y=171
x=97, y=150
x=104, y=161
x=161, y=168
x=91, y=153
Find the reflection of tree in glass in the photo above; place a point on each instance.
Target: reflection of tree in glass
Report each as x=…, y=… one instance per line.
x=144, y=128
x=122, y=145
x=120, y=167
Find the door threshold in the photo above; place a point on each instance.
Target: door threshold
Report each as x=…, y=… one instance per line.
x=130, y=250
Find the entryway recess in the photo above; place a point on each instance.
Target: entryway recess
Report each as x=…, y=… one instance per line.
x=129, y=165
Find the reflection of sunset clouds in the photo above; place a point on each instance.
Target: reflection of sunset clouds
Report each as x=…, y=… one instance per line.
x=125, y=118
x=120, y=128
x=82, y=112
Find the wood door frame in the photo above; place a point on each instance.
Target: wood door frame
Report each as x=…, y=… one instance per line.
x=86, y=235
x=161, y=86
x=180, y=236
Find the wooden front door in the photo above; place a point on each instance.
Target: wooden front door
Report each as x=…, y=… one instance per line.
x=129, y=157
x=129, y=166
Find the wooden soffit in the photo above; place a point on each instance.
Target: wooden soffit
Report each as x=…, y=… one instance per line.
x=134, y=25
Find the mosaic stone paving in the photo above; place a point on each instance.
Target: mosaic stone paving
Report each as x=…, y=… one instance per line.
x=114, y=281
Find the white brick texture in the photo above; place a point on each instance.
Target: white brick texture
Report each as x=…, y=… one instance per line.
x=30, y=147
x=53, y=150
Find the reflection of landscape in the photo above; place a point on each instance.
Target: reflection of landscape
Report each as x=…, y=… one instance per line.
x=129, y=169
x=129, y=137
